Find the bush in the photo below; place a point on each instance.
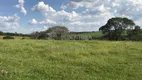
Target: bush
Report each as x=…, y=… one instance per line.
x=8, y=37
x=23, y=38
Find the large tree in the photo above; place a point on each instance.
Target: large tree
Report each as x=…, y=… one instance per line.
x=58, y=32
x=117, y=27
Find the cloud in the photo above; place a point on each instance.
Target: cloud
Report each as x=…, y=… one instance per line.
x=108, y=8
x=71, y=5
x=33, y=22
x=42, y=7
x=53, y=17
x=8, y=23
x=91, y=14
x=49, y=13
x=44, y=22
x=116, y=7
x=73, y=20
x=75, y=4
x=47, y=22
x=20, y=5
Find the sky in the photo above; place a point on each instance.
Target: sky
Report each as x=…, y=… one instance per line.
x=26, y=16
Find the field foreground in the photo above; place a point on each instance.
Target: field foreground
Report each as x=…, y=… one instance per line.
x=70, y=60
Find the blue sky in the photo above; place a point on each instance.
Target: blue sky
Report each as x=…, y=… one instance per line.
x=26, y=16
x=7, y=8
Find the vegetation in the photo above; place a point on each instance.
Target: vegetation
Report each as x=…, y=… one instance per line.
x=1, y=33
x=57, y=32
x=62, y=33
x=116, y=29
x=14, y=34
x=8, y=37
x=135, y=34
x=70, y=60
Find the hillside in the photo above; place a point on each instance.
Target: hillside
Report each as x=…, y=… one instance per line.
x=70, y=60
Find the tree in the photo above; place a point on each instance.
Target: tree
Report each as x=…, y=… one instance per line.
x=35, y=35
x=135, y=34
x=58, y=32
x=8, y=37
x=1, y=33
x=117, y=27
x=137, y=30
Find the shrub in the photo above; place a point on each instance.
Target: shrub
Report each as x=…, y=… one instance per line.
x=23, y=38
x=8, y=37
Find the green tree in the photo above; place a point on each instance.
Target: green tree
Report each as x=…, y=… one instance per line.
x=58, y=32
x=1, y=33
x=137, y=30
x=117, y=27
x=35, y=35
x=135, y=34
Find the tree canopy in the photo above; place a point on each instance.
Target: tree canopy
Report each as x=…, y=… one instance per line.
x=117, y=27
x=57, y=32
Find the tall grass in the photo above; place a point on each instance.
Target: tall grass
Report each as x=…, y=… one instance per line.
x=70, y=60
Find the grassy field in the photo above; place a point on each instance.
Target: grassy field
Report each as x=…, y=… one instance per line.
x=96, y=34
x=70, y=60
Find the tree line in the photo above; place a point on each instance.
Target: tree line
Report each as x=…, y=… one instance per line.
x=59, y=33
x=115, y=29
x=13, y=34
x=9, y=35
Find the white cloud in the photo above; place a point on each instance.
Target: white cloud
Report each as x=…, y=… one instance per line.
x=94, y=14
x=20, y=5
x=8, y=23
x=73, y=20
x=42, y=7
x=108, y=8
x=116, y=7
x=53, y=17
x=33, y=22
x=47, y=22
x=75, y=4
x=71, y=5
